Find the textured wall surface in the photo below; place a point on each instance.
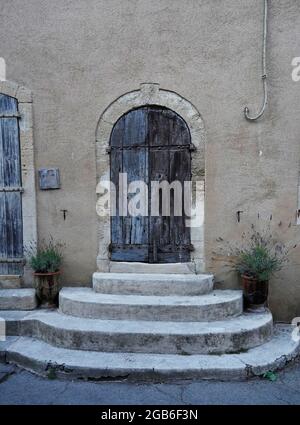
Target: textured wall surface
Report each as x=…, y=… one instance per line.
x=77, y=56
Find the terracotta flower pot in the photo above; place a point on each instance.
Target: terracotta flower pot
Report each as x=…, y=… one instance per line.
x=47, y=288
x=255, y=293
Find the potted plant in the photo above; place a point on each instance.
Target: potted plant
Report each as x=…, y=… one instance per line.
x=256, y=265
x=256, y=261
x=46, y=260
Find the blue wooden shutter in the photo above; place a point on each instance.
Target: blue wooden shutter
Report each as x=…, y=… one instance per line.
x=11, y=230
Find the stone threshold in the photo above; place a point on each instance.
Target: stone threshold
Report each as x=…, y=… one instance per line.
x=136, y=267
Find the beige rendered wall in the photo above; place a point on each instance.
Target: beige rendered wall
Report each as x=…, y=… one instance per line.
x=78, y=56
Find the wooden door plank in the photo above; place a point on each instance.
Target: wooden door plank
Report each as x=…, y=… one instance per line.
x=11, y=176
x=116, y=220
x=159, y=136
x=135, y=164
x=179, y=171
x=130, y=155
x=14, y=224
x=173, y=164
x=135, y=128
x=3, y=234
x=8, y=105
x=159, y=172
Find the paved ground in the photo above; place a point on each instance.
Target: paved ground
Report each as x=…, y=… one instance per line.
x=20, y=387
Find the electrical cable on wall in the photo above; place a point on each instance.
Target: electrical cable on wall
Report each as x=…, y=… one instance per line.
x=264, y=69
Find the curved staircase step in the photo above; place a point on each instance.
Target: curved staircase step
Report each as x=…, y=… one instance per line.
x=153, y=284
x=44, y=359
x=84, y=302
x=224, y=336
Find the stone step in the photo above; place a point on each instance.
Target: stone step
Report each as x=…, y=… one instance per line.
x=84, y=302
x=135, y=267
x=225, y=336
x=44, y=359
x=18, y=299
x=153, y=284
x=10, y=281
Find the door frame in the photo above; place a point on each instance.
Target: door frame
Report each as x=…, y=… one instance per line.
x=150, y=94
x=29, y=212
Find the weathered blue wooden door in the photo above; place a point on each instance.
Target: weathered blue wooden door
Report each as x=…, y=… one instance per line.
x=150, y=144
x=11, y=230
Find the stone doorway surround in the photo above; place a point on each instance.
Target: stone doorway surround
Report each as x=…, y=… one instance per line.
x=29, y=213
x=150, y=94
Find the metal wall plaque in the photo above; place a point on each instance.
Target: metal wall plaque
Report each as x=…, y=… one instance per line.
x=49, y=178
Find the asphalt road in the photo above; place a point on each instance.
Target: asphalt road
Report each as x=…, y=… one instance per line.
x=21, y=387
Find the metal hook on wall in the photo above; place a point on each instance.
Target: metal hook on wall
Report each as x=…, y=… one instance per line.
x=264, y=69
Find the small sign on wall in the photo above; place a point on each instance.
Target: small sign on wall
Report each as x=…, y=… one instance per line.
x=49, y=178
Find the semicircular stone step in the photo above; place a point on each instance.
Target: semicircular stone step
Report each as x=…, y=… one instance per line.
x=225, y=336
x=38, y=356
x=152, y=284
x=84, y=302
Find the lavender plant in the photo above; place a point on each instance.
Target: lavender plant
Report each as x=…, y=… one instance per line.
x=46, y=257
x=258, y=256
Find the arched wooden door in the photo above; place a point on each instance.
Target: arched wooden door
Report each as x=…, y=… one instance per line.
x=150, y=144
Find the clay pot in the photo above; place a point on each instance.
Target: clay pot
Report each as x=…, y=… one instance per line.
x=47, y=288
x=255, y=293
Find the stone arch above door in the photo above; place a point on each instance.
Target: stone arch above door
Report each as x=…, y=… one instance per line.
x=150, y=94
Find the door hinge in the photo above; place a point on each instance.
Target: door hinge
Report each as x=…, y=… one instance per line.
x=14, y=115
x=21, y=260
x=11, y=189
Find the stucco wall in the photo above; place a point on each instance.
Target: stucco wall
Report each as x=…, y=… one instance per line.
x=78, y=56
